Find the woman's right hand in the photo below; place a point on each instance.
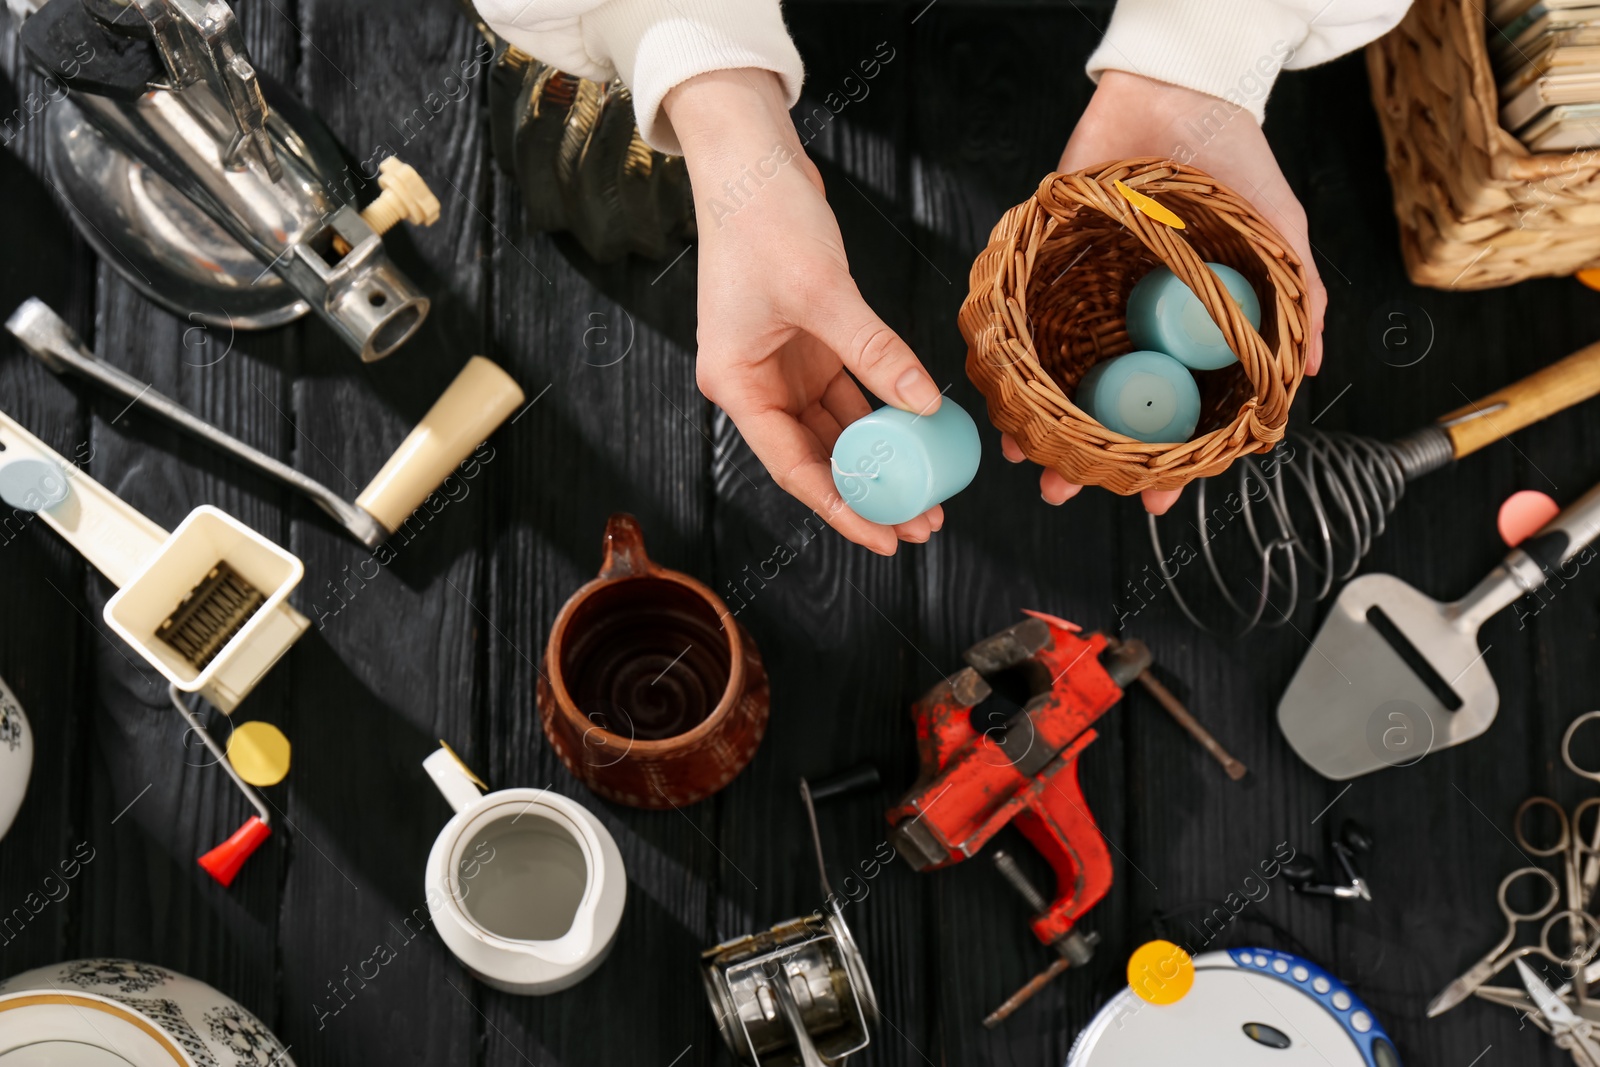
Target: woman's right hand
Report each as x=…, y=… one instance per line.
x=782, y=326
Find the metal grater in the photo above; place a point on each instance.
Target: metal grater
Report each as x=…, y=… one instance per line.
x=206, y=620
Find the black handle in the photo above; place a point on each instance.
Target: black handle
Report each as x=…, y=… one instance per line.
x=854, y=780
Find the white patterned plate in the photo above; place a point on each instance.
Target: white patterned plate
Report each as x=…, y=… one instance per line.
x=117, y=1013
x=16, y=758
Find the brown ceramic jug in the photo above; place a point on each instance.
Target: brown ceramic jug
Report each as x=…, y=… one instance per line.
x=651, y=693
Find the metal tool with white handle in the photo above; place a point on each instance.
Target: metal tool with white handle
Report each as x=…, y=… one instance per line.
x=1394, y=674
x=476, y=403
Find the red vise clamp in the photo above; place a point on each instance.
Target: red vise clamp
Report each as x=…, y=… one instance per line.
x=973, y=781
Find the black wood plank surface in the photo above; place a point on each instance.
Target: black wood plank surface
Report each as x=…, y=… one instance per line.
x=45, y=655
x=447, y=640
x=369, y=703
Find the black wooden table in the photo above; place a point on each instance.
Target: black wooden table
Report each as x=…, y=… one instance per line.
x=971, y=110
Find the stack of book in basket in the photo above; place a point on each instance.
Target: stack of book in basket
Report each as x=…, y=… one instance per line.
x=1546, y=56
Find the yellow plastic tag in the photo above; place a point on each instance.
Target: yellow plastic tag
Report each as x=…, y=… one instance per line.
x=1589, y=276
x=1160, y=972
x=1148, y=207
x=259, y=752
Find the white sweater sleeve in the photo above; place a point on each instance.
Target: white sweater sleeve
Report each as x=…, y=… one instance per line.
x=1235, y=48
x=652, y=45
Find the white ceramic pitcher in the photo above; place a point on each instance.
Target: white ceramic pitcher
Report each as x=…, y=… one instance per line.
x=525, y=886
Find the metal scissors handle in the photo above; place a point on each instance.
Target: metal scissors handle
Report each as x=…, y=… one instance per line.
x=1563, y=842
x=1577, y=854
x=1492, y=962
x=1566, y=746
x=1584, y=946
x=1591, y=865
x=1580, y=1042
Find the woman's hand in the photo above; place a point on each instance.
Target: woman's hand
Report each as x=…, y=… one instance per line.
x=1132, y=116
x=780, y=319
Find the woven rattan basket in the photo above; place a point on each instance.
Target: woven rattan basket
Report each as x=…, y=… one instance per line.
x=1476, y=208
x=1046, y=304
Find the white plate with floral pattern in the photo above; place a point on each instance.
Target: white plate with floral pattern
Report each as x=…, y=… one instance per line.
x=117, y=1013
x=16, y=757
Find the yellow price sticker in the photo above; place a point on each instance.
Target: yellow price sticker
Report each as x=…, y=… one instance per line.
x=1160, y=972
x=1147, y=206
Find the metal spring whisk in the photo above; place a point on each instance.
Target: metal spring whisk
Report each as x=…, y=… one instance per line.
x=1325, y=497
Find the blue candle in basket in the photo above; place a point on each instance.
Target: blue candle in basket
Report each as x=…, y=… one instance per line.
x=1164, y=315
x=1148, y=396
x=893, y=465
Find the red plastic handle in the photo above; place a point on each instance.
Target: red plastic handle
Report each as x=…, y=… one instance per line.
x=224, y=861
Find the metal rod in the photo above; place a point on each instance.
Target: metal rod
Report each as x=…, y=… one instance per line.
x=854, y=780
x=1025, y=888
x=43, y=333
x=816, y=838
x=1174, y=707
x=222, y=756
x=1026, y=993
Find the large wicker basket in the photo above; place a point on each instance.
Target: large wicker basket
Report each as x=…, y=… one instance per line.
x=1046, y=304
x=1476, y=208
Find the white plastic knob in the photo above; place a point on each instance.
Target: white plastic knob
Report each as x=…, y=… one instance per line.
x=405, y=197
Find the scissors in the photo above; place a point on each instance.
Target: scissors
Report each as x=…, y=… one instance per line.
x=1572, y=1032
x=1578, y=856
x=1591, y=866
x=1502, y=955
x=1519, y=1001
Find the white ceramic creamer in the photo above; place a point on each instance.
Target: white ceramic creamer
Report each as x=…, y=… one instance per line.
x=525, y=887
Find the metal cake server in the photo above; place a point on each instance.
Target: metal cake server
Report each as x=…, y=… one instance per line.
x=1394, y=674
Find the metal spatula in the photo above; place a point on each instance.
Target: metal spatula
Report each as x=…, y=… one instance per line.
x=1394, y=674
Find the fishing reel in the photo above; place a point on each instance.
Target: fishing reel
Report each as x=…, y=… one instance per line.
x=797, y=995
x=207, y=186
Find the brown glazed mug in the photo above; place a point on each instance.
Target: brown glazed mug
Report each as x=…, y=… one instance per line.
x=651, y=693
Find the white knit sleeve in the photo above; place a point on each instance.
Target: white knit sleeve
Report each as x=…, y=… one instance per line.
x=1235, y=48
x=652, y=45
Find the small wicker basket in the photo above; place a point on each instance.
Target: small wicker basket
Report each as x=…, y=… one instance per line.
x=1046, y=304
x=1476, y=208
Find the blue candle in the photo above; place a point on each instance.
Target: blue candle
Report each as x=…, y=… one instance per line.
x=893, y=465
x=1148, y=396
x=1164, y=315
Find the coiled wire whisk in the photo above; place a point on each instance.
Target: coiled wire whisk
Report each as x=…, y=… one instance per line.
x=1310, y=508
